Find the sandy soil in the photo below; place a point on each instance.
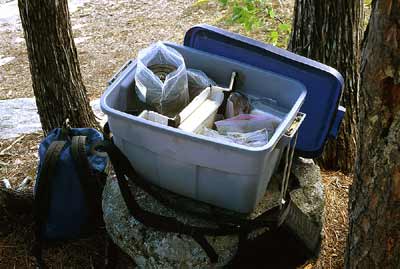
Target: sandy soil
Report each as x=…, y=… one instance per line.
x=107, y=34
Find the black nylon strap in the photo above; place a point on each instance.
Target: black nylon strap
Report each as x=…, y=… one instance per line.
x=89, y=184
x=208, y=249
x=43, y=196
x=107, y=132
x=124, y=171
x=162, y=223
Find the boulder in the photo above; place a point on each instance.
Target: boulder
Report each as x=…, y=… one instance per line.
x=20, y=116
x=154, y=249
x=305, y=219
x=310, y=196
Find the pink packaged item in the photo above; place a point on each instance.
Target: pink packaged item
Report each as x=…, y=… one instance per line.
x=246, y=123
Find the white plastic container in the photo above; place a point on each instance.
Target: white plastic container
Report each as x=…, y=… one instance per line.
x=198, y=114
x=224, y=174
x=202, y=110
x=154, y=117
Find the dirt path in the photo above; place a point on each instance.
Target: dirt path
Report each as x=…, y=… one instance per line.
x=107, y=34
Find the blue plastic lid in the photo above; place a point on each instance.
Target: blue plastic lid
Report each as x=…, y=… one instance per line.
x=324, y=84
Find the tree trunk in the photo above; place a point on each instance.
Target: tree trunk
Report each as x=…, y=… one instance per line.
x=13, y=205
x=329, y=32
x=56, y=76
x=374, y=217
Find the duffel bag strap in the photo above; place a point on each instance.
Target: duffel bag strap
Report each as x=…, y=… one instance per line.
x=124, y=170
x=221, y=222
x=89, y=183
x=43, y=196
x=161, y=223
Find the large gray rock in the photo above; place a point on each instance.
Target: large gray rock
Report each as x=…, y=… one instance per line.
x=310, y=196
x=19, y=116
x=308, y=203
x=153, y=249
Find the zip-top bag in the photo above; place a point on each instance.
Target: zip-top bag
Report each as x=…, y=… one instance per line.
x=69, y=184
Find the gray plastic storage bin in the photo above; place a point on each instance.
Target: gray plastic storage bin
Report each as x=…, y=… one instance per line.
x=224, y=174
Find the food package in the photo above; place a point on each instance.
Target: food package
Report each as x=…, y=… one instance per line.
x=245, y=123
x=252, y=139
x=161, y=79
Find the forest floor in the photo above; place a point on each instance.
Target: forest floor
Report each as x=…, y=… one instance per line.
x=107, y=34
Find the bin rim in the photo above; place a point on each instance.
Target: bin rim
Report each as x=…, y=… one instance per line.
x=272, y=143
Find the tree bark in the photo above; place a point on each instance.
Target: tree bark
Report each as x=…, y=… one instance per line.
x=56, y=76
x=374, y=217
x=14, y=205
x=329, y=32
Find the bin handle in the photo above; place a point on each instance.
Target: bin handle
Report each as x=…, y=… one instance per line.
x=292, y=130
x=119, y=72
x=334, y=130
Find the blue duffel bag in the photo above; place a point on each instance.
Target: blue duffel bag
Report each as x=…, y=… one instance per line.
x=69, y=184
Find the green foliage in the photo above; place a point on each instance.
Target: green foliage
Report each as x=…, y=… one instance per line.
x=271, y=12
x=245, y=12
x=256, y=14
x=273, y=37
x=200, y=2
x=366, y=2
x=283, y=32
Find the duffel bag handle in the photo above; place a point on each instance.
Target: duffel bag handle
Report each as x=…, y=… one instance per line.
x=124, y=170
x=43, y=196
x=91, y=187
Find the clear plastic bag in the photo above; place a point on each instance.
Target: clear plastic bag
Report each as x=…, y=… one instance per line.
x=248, y=123
x=252, y=139
x=266, y=105
x=161, y=79
x=198, y=81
